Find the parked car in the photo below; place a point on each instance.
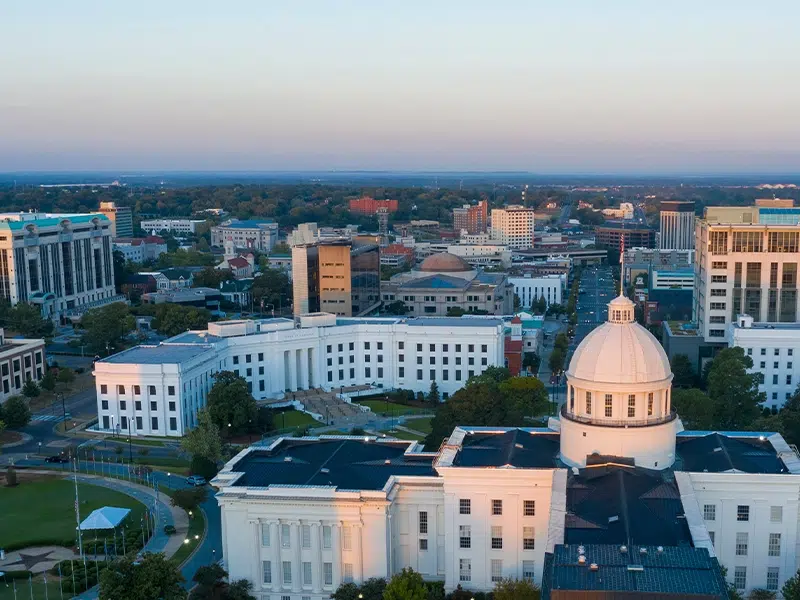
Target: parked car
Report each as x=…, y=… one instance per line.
x=195, y=480
x=58, y=458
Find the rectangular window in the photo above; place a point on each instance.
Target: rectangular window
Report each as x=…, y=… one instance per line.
x=170, y=390
x=347, y=538
x=265, y=534
x=139, y=424
x=121, y=390
x=776, y=514
x=347, y=572
x=103, y=388
x=650, y=404
x=327, y=573
x=419, y=374
x=123, y=405
x=631, y=405
x=286, y=540
x=464, y=506
x=772, y=578
x=741, y=544
x=173, y=423
x=287, y=572
x=266, y=569
x=528, y=570
x=497, y=569
x=326, y=536
x=774, y=548
x=171, y=406
x=137, y=405
x=497, y=507
x=464, y=569
x=306, y=535
x=742, y=512
x=306, y=573
x=529, y=508
x=464, y=536
x=528, y=538
x=151, y=389
x=423, y=522
x=154, y=422
x=740, y=578
x=710, y=512
x=609, y=405
x=137, y=391
x=588, y=403
x=497, y=537
x=711, y=535
x=423, y=544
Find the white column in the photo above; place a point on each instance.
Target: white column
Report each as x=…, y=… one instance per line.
x=316, y=562
x=297, y=567
x=256, y=564
x=275, y=545
x=336, y=547
x=358, y=568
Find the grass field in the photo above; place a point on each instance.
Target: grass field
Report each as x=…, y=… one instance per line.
x=294, y=418
x=423, y=424
x=381, y=407
x=41, y=510
x=403, y=435
x=197, y=526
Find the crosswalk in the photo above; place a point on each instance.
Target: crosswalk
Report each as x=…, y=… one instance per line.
x=49, y=417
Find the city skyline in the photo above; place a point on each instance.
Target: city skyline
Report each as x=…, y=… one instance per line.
x=550, y=89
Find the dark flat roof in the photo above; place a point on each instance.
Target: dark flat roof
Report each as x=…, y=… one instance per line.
x=659, y=572
x=624, y=505
x=717, y=453
x=351, y=464
x=516, y=448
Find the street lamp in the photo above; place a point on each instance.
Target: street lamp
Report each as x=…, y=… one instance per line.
x=63, y=408
x=186, y=541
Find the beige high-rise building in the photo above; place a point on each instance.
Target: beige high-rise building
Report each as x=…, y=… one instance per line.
x=746, y=263
x=513, y=226
x=121, y=219
x=341, y=277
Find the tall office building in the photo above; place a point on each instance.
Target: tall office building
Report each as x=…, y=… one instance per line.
x=121, y=219
x=746, y=263
x=341, y=277
x=59, y=262
x=677, y=225
x=259, y=235
x=471, y=218
x=513, y=226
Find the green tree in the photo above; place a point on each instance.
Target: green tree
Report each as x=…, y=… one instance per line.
x=516, y=589
x=202, y=466
x=204, y=439
x=531, y=361
x=151, y=576
x=761, y=594
x=791, y=589
x=16, y=412
x=106, y=327
x=211, y=277
x=696, y=409
x=210, y=580
x=396, y=308
x=556, y=361
x=433, y=394
x=48, y=381
x=734, y=390
x=517, y=303
x=682, y=371
x=406, y=585
x=230, y=403
x=172, y=319
x=189, y=498
x=455, y=311
x=525, y=395
x=373, y=589
x=66, y=376
x=346, y=591
x=30, y=389
x=273, y=288
x=789, y=417
x=26, y=319
x=491, y=375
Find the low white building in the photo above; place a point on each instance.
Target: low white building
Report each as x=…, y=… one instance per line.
x=160, y=388
x=20, y=360
x=772, y=348
x=614, y=489
x=529, y=289
x=172, y=225
x=138, y=250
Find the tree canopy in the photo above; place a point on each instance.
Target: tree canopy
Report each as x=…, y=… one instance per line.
x=682, y=372
x=230, y=403
x=172, y=319
x=153, y=576
x=212, y=584
x=733, y=390
x=26, y=319
x=273, y=287
x=106, y=327
x=204, y=439
x=15, y=412
x=516, y=589
x=406, y=585
x=211, y=277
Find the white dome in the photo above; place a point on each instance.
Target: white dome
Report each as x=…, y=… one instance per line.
x=620, y=351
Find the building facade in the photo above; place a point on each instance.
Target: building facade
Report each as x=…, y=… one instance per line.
x=613, y=488
x=139, y=250
x=259, y=235
x=121, y=219
x=672, y=279
x=610, y=236
x=179, y=226
x=530, y=289
x=370, y=206
x=172, y=380
x=61, y=263
x=746, y=263
x=513, y=226
x=20, y=360
x=473, y=219
x=676, y=226
x=341, y=277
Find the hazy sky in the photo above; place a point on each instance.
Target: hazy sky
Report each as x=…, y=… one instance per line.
x=539, y=85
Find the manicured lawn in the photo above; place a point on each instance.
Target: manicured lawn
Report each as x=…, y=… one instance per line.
x=197, y=526
x=24, y=589
x=293, y=418
x=403, y=435
x=380, y=407
x=44, y=510
x=423, y=424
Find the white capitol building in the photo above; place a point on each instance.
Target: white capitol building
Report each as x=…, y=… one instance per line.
x=613, y=496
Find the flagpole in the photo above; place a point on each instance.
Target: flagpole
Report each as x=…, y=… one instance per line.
x=30, y=584
x=60, y=581
x=46, y=595
x=78, y=517
x=72, y=568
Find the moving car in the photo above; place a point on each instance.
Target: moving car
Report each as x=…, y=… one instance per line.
x=195, y=480
x=58, y=458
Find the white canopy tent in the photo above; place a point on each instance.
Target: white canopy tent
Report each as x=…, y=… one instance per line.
x=107, y=517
